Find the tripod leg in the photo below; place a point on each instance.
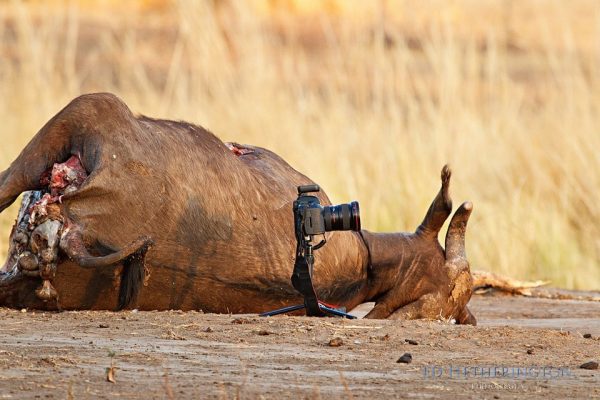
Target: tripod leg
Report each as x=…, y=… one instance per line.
x=282, y=310
x=333, y=311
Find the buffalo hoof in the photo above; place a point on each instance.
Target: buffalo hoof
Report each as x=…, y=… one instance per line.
x=46, y=292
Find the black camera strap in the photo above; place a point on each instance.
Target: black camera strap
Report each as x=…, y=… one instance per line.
x=302, y=282
x=302, y=279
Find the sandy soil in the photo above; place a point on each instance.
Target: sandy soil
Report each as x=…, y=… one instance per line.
x=523, y=348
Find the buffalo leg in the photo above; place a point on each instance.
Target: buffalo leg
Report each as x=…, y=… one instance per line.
x=440, y=208
x=466, y=317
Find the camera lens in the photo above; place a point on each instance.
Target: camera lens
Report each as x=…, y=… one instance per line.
x=343, y=217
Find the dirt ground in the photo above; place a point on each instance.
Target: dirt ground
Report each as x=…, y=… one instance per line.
x=522, y=348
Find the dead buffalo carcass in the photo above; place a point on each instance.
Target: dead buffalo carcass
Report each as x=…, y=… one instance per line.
x=122, y=211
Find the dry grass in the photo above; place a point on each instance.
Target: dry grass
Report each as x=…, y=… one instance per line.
x=368, y=101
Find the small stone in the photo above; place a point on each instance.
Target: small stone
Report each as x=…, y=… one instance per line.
x=406, y=358
x=240, y=321
x=587, y=336
x=336, y=342
x=208, y=330
x=263, y=332
x=103, y=326
x=589, y=365
x=23, y=310
x=410, y=341
x=529, y=351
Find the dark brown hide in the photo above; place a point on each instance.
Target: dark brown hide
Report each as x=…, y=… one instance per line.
x=220, y=225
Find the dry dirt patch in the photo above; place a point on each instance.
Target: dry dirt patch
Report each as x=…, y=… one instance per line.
x=180, y=355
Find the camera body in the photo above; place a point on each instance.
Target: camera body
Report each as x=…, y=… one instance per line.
x=311, y=218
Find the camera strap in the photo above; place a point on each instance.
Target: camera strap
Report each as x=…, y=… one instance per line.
x=302, y=281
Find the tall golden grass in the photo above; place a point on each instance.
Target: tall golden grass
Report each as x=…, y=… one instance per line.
x=370, y=104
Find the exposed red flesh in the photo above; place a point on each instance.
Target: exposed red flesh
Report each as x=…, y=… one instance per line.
x=238, y=149
x=69, y=174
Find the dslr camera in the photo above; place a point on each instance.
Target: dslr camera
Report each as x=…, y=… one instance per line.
x=311, y=218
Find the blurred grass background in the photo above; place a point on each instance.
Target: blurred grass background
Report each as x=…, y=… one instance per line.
x=368, y=98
